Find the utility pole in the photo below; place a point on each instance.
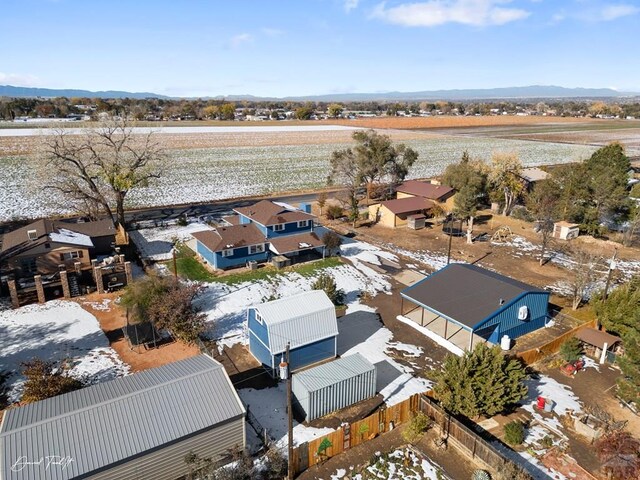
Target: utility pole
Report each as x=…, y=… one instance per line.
x=291, y=472
x=450, y=236
x=612, y=267
x=175, y=263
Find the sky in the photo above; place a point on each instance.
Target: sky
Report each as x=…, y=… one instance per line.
x=280, y=48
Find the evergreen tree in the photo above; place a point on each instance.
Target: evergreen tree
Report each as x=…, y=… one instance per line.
x=620, y=313
x=328, y=284
x=480, y=382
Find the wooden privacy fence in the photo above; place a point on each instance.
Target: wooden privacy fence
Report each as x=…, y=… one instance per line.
x=466, y=438
x=349, y=435
x=537, y=354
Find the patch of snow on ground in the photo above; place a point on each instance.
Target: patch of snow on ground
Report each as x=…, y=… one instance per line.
x=590, y=363
x=156, y=243
x=269, y=407
x=103, y=306
x=434, y=261
x=403, y=463
x=411, y=350
x=432, y=335
x=340, y=473
x=545, y=386
x=56, y=330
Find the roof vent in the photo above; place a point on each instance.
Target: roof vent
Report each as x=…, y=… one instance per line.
x=501, y=301
x=32, y=234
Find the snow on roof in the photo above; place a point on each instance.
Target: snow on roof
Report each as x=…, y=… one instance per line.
x=299, y=319
x=63, y=235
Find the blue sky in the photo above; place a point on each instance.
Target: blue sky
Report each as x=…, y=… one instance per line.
x=307, y=47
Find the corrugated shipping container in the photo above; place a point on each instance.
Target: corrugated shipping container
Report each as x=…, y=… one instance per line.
x=334, y=385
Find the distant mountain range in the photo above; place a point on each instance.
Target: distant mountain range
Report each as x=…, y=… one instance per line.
x=11, y=91
x=529, y=92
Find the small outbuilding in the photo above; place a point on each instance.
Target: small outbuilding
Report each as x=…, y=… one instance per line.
x=598, y=343
x=416, y=222
x=307, y=321
x=565, y=230
x=139, y=426
x=327, y=388
x=465, y=304
x=396, y=213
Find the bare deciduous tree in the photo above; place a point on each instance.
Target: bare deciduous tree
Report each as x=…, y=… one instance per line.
x=97, y=169
x=505, y=176
x=584, y=271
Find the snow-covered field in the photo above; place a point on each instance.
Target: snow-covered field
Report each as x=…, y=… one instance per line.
x=156, y=243
x=56, y=330
x=206, y=174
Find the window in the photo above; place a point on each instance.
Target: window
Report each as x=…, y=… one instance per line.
x=71, y=255
x=259, y=318
x=28, y=266
x=227, y=253
x=32, y=234
x=303, y=223
x=278, y=227
x=256, y=249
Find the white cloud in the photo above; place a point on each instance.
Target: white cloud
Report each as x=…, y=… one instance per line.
x=272, y=32
x=18, y=80
x=350, y=5
x=439, y=12
x=611, y=12
x=593, y=11
x=240, y=39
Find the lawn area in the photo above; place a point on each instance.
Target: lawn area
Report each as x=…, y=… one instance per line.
x=190, y=268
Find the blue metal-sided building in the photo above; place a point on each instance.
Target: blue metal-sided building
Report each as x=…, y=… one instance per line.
x=463, y=299
x=307, y=321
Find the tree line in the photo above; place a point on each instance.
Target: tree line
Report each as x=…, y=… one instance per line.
x=223, y=109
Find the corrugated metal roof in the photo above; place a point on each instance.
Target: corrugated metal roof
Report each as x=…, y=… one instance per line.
x=300, y=319
x=466, y=293
x=334, y=372
x=107, y=423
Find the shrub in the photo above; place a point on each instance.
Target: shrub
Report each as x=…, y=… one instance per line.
x=332, y=241
x=328, y=284
x=514, y=433
x=418, y=424
x=511, y=471
x=571, y=350
x=521, y=213
x=182, y=221
x=334, y=212
x=45, y=380
x=480, y=475
x=547, y=441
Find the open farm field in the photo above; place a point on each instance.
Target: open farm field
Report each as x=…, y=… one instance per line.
x=630, y=137
x=447, y=121
x=204, y=174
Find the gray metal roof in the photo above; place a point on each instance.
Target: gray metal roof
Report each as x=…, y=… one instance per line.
x=300, y=319
x=104, y=424
x=334, y=372
x=466, y=293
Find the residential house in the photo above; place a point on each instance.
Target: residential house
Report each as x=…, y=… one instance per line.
x=413, y=199
x=398, y=212
x=463, y=304
x=439, y=194
x=307, y=322
x=258, y=232
x=139, y=426
x=41, y=247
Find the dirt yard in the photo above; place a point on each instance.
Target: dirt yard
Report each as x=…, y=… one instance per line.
x=112, y=318
x=455, y=464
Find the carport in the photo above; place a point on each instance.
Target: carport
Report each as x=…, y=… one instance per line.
x=460, y=335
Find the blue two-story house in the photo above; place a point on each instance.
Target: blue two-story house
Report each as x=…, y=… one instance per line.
x=257, y=232
x=232, y=246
